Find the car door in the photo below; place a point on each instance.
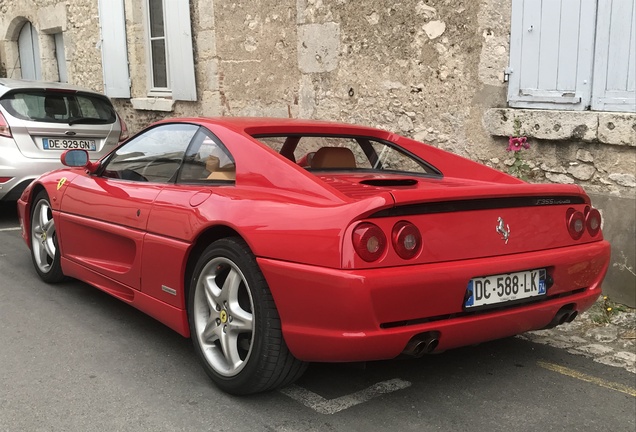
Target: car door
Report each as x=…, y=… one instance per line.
x=104, y=216
x=176, y=215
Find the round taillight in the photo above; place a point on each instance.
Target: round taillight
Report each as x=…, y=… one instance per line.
x=407, y=240
x=576, y=223
x=369, y=241
x=593, y=222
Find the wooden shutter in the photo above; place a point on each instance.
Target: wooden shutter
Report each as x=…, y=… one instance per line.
x=615, y=57
x=180, y=56
x=551, y=52
x=112, y=21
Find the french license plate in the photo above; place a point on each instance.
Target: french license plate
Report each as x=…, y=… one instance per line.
x=65, y=144
x=497, y=289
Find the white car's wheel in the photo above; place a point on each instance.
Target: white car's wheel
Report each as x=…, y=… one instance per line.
x=234, y=323
x=45, y=252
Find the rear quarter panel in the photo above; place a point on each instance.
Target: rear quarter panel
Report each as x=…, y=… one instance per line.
x=274, y=224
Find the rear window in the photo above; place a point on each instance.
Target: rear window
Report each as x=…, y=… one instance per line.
x=347, y=153
x=59, y=107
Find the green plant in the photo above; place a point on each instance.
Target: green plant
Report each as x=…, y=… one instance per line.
x=607, y=310
x=517, y=144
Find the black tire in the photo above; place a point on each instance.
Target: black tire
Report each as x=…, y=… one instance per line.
x=45, y=252
x=235, y=327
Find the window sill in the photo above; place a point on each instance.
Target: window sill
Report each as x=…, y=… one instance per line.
x=591, y=126
x=153, y=104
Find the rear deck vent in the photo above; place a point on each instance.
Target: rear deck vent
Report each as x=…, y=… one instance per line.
x=477, y=204
x=389, y=182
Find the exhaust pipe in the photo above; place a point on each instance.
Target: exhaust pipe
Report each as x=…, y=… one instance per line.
x=565, y=314
x=424, y=343
x=573, y=315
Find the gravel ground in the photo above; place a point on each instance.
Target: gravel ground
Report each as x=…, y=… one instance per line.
x=608, y=337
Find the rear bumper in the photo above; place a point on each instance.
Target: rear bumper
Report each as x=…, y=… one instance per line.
x=358, y=315
x=21, y=169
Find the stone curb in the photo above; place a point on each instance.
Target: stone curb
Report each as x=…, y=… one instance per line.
x=611, y=343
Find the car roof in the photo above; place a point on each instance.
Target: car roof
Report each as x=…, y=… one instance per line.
x=8, y=84
x=273, y=125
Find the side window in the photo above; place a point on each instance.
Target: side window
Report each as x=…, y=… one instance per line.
x=207, y=159
x=346, y=152
x=153, y=156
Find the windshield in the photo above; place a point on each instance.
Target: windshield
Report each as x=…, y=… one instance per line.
x=347, y=153
x=59, y=107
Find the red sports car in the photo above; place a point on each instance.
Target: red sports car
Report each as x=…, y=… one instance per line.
x=277, y=242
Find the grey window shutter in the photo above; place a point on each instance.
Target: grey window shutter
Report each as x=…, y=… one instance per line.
x=112, y=21
x=615, y=57
x=61, y=57
x=29, y=49
x=180, y=56
x=551, y=52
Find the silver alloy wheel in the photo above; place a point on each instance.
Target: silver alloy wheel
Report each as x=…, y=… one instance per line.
x=43, y=236
x=223, y=317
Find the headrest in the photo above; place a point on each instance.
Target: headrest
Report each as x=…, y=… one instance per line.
x=54, y=105
x=333, y=157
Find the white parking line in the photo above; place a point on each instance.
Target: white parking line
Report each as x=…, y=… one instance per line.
x=10, y=229
x=332, y=406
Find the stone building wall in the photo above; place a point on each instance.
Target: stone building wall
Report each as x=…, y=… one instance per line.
x=431, y=70
x=77, y=20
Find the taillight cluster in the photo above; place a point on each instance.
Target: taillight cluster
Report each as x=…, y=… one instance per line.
x=370, y=243
x=123, y=134
x=577, y=222
x=407, y=239
x=5, y=130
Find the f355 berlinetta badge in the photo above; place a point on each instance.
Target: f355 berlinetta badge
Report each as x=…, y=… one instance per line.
x=503, y=229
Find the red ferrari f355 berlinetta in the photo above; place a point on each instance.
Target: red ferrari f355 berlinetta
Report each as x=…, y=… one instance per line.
x=276, y=242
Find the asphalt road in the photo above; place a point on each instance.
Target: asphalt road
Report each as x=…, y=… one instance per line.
x=74, y=359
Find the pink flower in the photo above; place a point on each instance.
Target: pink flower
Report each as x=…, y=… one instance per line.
x=516, y=144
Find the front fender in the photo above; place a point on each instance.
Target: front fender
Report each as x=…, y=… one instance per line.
x=54, y=183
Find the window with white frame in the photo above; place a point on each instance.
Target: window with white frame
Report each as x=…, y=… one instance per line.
x=170, y=56
x=170, y=60
x=158, y=48
x=573, y=55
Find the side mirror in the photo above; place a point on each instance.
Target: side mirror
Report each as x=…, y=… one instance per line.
x=78, y=158
x=75, y=158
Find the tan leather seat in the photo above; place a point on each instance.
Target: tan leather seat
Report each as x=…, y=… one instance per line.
x=217, y=172
x=223, y=175
x=55, y=107
x=333, y=157
x=212, y=163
